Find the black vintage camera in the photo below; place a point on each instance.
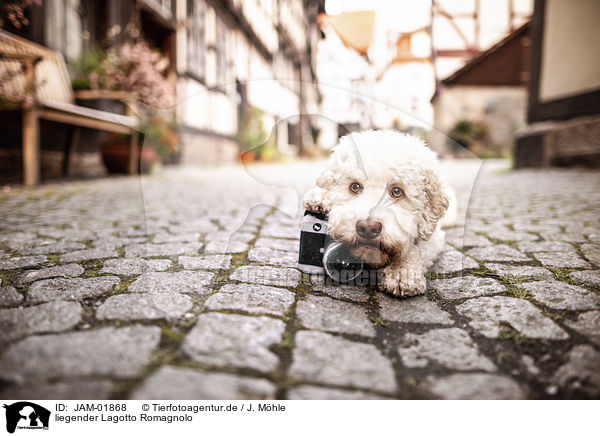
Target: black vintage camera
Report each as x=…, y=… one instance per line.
x=320, y=254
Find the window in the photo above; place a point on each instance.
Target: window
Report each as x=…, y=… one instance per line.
x=164, y=7
x=195, y=37
x=221, y=45
x=63, y=27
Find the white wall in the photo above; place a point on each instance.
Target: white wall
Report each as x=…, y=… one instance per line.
x=503, y=109
x=271, y=87
x=570, y=47
x=406, y=89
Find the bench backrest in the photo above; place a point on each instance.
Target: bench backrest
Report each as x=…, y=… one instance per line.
x=52, y=80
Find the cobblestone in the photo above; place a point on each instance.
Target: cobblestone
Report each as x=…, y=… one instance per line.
x=520, y=272
x=451, y=347
x=280, y=231
x=156, y=305
x=487, y=314
x=591, y=252
x=226, y=246
x=579, y=377
x=243, y=343
x=162, y=250
x=588, y=324
x=323, y=313
x=272, y=256
x=466, y=287
x=214, y=270
x=562, y=259
x=170, y=383
x=452, y=261
x=117, y=352
x=110, y=243
x=266, y=275
x=249, y=298
x=417, y=310
x=457, y=237
x=318, y=393
x=497, y=253
x=564, y=237
x=9, y=296
x=89, y=254
x=225, y=242
x=321, y=357
x=354, y=293
x=475, y=387
x=83, y=390
x=22, y=262
x=55, y=316
x=130, y=267
x=50, y=247
x=560, y=295
x=189, y=282
x=216, y=261
x=278, y=244
x=71, y=289
x=550, y=246
x=169, y=237
x=591, y=278
x=69, y=270
x=508, y=236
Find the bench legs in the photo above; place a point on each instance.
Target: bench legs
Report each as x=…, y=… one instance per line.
x=134, y=152
x=31, y=147
x=73, y=140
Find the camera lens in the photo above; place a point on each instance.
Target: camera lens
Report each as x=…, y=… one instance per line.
x=340, y=264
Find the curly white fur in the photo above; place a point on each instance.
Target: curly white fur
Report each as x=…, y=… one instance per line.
x=411, y=237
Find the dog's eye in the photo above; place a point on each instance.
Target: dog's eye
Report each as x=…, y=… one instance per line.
x=355, y=188
x=396, y=192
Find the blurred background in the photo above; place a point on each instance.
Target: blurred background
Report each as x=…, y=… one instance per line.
x=208, y=82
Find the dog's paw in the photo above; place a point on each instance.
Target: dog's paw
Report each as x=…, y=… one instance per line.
x=315, y=201
x=402, y=284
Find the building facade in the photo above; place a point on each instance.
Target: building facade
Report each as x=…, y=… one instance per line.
x=488, y=95
x=564, y=89
x=242, y=59
x=391, y=59
x=229, y=60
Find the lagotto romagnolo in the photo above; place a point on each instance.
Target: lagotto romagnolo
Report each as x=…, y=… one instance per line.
x=386, y=199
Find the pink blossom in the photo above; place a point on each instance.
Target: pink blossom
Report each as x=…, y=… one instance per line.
x=137, y=68
x=11, y=92
x=14, y=12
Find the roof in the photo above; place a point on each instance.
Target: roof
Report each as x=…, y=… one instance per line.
x=355, y=29
x=504, y=64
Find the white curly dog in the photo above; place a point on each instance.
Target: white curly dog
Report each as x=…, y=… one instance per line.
x=385, y=198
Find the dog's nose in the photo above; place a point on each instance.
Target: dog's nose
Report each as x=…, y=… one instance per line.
x=369, y=228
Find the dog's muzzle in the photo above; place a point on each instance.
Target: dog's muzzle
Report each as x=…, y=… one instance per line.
x=368, y=229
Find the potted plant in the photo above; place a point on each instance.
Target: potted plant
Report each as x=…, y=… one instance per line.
x=468, y=134
x=115, y=155
x=160, y=135
x=137, y=68
x=87, y=65
x=252, y=138
x=12, y=96
x=13, y=12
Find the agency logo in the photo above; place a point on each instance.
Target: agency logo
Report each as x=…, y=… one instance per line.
x=26, y=415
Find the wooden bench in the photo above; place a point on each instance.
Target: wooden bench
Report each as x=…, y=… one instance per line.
x=54, y=100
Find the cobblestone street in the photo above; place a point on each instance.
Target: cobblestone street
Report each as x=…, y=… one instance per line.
x=184, y=286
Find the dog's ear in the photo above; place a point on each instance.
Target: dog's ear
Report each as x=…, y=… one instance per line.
x=435, y=206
